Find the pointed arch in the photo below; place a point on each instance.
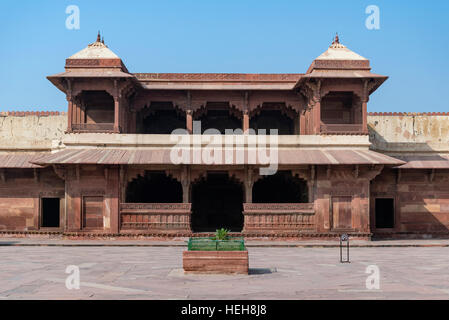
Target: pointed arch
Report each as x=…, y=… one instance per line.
x=154, y=187
x=281, y=187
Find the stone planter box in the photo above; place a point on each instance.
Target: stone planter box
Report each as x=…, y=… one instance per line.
x=227, y=262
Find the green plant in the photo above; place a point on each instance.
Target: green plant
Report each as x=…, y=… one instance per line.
x=212, y=244
x=221, y=234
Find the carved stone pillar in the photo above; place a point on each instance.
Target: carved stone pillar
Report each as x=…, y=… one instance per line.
x=245, y=121
x=245, y=124
x=315, y=104
x=116, y=114
x=189, y=113
x=249, y=183
x=189, y=121
x=317, y=117
x=117, y=98
x=302, y=122
x=70, y=106
x=185, y=182
x=132, y=121
x=82, y=112
x=365, y=98
x=69, y=113
x=78, y=109
x=364, y=115
x=311, y=183
x=123, y=182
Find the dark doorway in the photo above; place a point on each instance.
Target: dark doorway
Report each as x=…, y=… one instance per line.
x=281, y=187
x=217, y=202
x=50, y=212
x=384, y=213
x=154, y=187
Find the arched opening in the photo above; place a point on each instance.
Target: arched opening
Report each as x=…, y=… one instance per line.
x=281, y=187
x=99, y=106
x=341, y=108
x=275, y=116
x=154, y=187
x=217, y=202
x=219, y=116
x=160, y=118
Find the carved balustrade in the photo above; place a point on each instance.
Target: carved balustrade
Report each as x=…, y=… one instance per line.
x=92, y=127
x=342, y=129
x=156, y=216
x=278, y=217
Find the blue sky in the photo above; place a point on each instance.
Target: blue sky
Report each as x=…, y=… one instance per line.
x=244, y=36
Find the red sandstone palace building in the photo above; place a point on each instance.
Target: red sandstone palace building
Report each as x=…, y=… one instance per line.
x=105, y=166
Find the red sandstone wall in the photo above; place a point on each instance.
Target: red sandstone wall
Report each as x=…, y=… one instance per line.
x=421, y=200
x=20, y=197
x=332, y=186
x=92, y=181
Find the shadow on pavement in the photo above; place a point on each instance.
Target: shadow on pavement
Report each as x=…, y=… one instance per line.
x=252, y=271
x=7, y=243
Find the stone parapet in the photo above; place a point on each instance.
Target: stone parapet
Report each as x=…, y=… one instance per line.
x=409, y=132
x=31, y=131
x=151, y=217
x=278, y=217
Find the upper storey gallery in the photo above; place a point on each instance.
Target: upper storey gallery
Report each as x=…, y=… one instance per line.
x=330, y=98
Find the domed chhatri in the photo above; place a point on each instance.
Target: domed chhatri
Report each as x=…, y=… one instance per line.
x=338, y=51
x=96, y=50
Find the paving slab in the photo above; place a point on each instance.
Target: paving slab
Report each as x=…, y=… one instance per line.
x=135, y=272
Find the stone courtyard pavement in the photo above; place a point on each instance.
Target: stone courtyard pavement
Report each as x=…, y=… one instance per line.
x=276, y=273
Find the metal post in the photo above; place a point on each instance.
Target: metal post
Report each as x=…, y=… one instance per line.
x=344, y=238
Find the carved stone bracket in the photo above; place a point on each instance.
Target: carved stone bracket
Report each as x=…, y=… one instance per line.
x=314, y=91
x=303, y=174
x=374, y=171
x=368, y=85
x=398, y=176
x=197, y=175
x=60, y=171
x=431, y=175
x=237, y=176
x=286, y=108
x=356, y=171
x=134, y=173
x=36, y=175
x=174, y=174
x=201, y=108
